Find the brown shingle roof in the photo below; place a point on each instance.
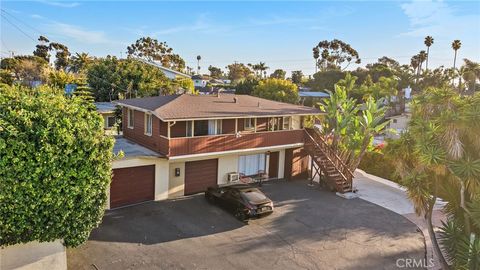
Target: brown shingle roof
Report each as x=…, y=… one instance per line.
x=187, y=106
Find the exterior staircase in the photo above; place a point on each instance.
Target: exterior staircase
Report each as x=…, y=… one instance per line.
x=337, y=174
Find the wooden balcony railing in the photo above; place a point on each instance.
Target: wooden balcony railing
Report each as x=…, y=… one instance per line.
x=219, y=143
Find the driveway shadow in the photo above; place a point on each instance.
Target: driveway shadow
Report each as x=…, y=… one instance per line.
x=163, y=221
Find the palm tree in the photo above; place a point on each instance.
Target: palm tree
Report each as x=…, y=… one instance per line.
x=422, y=57
x=198, y=63
x=456, y=44
x=428, y=42
x=80, y=61
x=262, y=67
x=470, y=72
x=316, y=55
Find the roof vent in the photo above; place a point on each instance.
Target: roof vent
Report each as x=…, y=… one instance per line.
x=259, y=104
x=234, y=99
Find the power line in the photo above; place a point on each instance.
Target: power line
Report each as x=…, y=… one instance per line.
x=21, y=21
x=18, y=28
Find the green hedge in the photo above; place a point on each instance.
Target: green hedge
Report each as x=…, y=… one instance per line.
x=55, y=166
x=380, y=165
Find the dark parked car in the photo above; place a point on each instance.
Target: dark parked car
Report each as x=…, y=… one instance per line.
x=242, y=200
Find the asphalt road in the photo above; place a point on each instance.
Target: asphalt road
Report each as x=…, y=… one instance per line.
x=309, y=229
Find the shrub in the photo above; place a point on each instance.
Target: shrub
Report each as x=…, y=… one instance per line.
x=277, y=89
x=379, y=165
x=54, y=166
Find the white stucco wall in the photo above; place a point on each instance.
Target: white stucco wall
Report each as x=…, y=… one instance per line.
x=296, y=122
x=34, y=256
x=226, y=164
x=281, y=164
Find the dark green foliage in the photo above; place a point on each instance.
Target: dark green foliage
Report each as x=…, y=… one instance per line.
x=279, y=74
x=326, y=80
x=111, y=78
x=151, y=49
x=42, y=48
x=246, y=86
x=55, y=167
x=297, y=76
x=215, y=72
x=380, y=165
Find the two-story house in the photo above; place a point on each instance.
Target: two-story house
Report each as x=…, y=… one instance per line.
x=181, y=144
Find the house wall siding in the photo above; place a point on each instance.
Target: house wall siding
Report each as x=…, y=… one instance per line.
x=137, y=133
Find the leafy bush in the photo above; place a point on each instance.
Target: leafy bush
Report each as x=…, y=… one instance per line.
x=379, y=165
x=277, y=89
x=54, y=166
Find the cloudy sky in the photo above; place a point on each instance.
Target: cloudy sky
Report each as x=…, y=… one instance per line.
x=281, y=34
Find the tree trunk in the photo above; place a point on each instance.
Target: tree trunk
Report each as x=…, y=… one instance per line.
x=454, y=60
x=431, y=232
x=428, y=54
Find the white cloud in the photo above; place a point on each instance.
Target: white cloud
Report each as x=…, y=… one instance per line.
x=436, y=18
x=36, y=16
x=78, y=33
x=63, y=4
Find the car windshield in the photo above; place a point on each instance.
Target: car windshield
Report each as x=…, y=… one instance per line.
x=253, y=195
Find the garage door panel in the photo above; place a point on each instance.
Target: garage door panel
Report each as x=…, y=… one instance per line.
x=199, y=175
x=132, y=185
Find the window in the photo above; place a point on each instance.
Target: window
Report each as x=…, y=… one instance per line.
x=215, y=127
x=251, y=164
x=130, y=118
x=394, y=121
x=148, y=124
x=249, y=123
x=286, y=122
x=110, y=121
x=200, y=127
x=274, y=123
x=189, y=128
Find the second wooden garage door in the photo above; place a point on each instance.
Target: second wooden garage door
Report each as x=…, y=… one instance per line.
x=132, y=185
x=199, y=175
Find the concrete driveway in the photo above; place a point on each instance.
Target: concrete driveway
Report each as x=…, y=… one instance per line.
x=309, y=229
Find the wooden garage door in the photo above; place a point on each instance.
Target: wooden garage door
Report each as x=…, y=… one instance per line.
x=199, y=175
x=132, y=185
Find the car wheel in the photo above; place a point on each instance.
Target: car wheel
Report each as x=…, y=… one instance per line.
x=240, y=215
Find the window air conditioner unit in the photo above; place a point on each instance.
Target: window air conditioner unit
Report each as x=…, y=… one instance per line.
x=233, y=177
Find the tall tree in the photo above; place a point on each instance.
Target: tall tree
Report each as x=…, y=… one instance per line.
x=152, y=50
x=62, y=55
x=238, y=71
x=316, y=55
x=111, y=78
x=215, y=72
x=428, y=42
x=439, y=156
x=456, y=44
x=279, y=74
x=297, y=76
x=198, y=63
x=335, y=53
x=80, y=61
x=43, y=48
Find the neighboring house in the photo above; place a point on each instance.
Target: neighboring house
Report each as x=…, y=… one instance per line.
x=181, y=144
x=107, y=111
x=200, y=81
x=169, y=73
x=399, y=124
x=311, y=98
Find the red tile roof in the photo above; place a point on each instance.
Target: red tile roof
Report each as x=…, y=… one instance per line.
x=177, y=107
